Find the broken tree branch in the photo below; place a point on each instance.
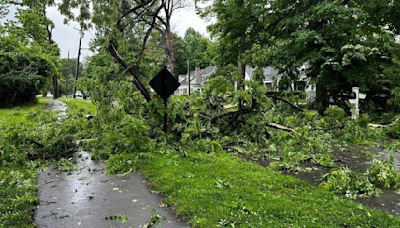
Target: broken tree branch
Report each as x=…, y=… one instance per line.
x=135, y=75
x=371, y=125
x=287, y=102
x=281, y=127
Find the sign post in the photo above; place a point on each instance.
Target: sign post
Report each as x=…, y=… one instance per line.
x=164, y=84
x=355, y=111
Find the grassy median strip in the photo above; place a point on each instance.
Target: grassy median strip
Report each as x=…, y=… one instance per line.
x=223, y=190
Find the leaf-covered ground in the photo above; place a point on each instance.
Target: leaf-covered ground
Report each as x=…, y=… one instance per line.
x=29, y=137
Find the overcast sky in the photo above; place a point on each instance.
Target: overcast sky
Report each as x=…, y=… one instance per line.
x=68, y=38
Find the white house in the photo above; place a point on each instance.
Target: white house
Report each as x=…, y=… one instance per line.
x=272, y=79
x=197, y=79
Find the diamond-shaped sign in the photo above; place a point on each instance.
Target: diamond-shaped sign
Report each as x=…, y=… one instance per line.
x=164, y=84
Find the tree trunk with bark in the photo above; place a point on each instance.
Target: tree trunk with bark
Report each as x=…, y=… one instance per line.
x=170, y=50
x=322, y=98
x=240, y=83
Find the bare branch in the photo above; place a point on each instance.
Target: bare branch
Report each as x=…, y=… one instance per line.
x=143, y=4
x=152, y=26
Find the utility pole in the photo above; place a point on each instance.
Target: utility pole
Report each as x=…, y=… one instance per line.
x=66, y=79
x=188, y=69
x=77, y=63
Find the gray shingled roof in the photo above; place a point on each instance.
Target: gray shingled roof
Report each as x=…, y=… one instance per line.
x=203, y=72
x=270, y=73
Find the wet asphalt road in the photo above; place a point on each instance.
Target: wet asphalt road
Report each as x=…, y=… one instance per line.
x=86, y=196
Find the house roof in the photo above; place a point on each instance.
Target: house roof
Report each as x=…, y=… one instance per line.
x=203, y=73
x=270, y=73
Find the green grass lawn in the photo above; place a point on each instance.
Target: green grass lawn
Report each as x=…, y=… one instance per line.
x=209, y=190
x=19, y=115
x=222, y=190
x=18, y=186
x=77, y=105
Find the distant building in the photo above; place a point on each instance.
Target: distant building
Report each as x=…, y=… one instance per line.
x=197, y=79
x=272, y=80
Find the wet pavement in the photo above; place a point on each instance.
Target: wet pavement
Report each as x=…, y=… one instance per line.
x=86, y=197
x=59, y=107
x=359, y=159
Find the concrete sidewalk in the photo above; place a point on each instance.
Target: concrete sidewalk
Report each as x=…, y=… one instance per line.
x=87, y=198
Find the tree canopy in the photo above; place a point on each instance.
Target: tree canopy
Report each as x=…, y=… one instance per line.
x=29, y=57
x=341, y=44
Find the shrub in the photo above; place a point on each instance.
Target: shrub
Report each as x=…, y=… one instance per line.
x=24, y=70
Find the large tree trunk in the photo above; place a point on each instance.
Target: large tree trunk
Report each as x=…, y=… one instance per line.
x=322, y=98
x=170, y=50
x=55, y=87
x=135, y=75
x=56, y=92
x=240, y=83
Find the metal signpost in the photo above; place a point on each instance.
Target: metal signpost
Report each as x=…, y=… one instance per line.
x=164, y=84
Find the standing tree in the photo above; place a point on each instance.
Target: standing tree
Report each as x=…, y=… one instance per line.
x=34, y=20
x=27, y=57
x=121, y=22
x=340, y=42
x=196, y=49
x=237, y=27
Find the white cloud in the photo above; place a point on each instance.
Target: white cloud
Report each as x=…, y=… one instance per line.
x=187, y=17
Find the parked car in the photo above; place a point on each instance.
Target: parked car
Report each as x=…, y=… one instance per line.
x=78, y=94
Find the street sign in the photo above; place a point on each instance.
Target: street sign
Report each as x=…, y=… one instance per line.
x=164, y=84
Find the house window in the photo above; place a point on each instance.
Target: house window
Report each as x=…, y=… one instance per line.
x=300, y=85
x=269, y=86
